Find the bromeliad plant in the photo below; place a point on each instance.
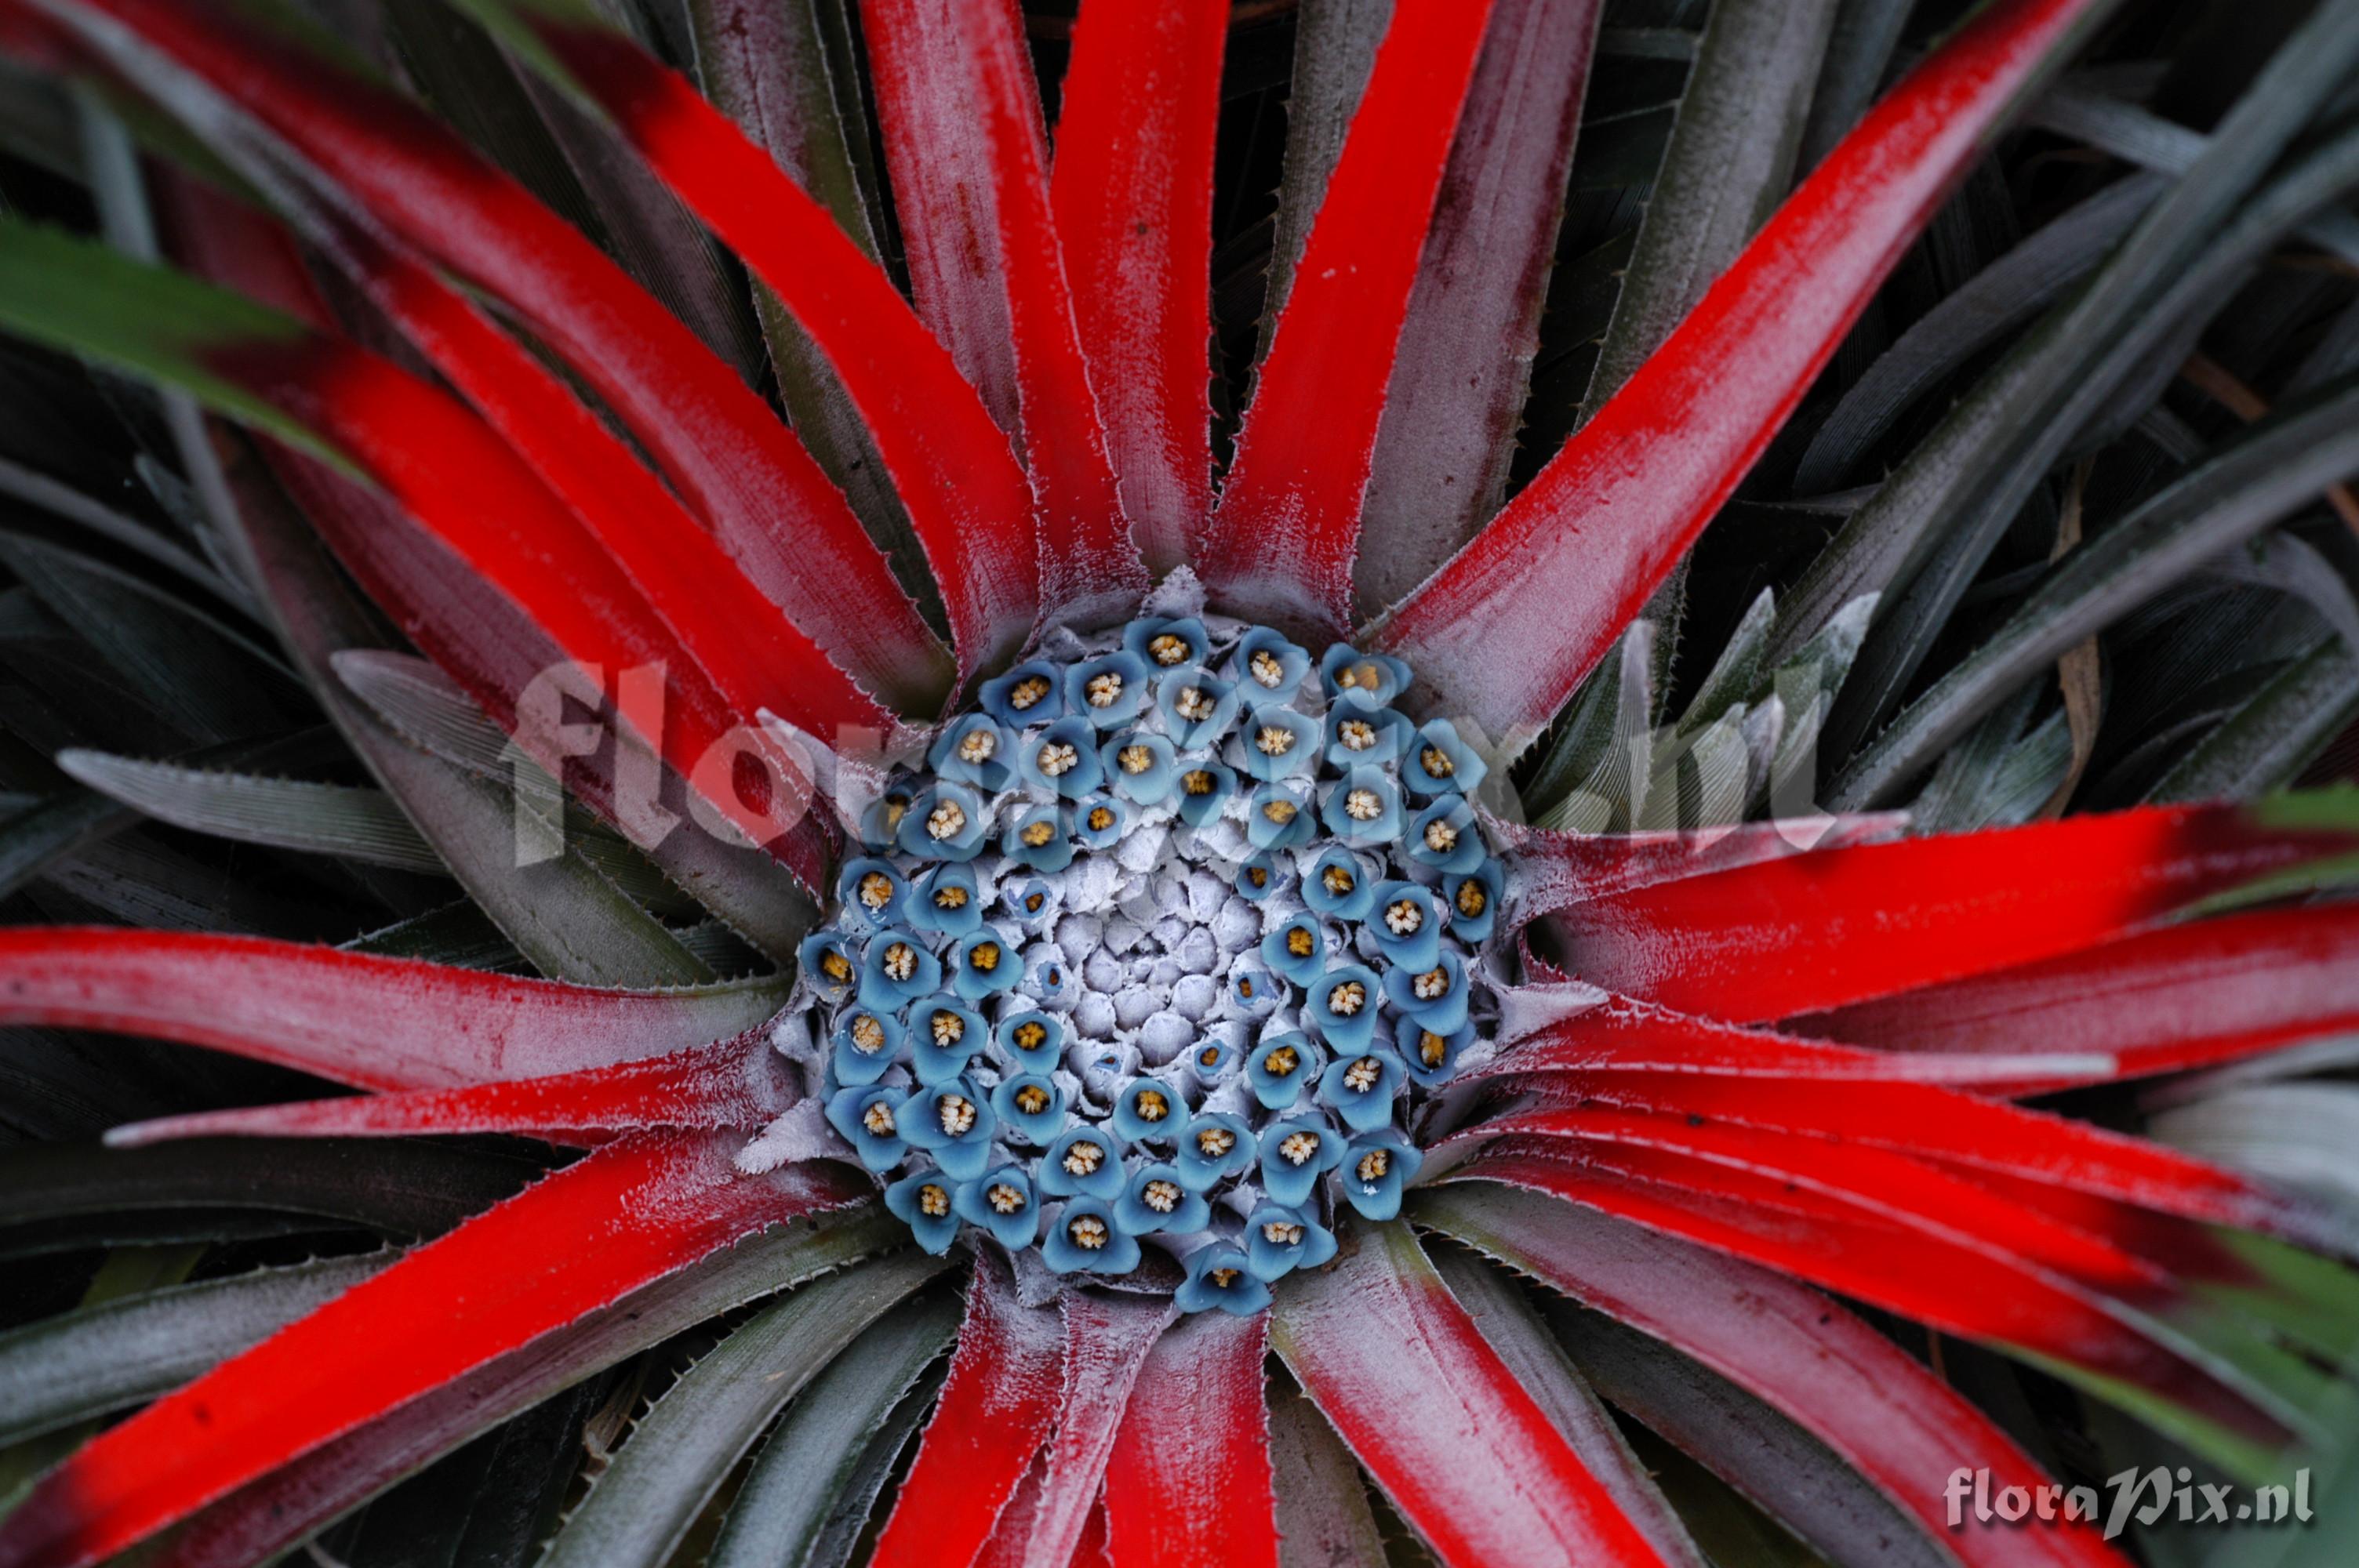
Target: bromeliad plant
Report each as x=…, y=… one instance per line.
x=1168, y=971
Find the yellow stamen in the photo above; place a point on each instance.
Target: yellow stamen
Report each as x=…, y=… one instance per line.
x=1347, y=999
x=1357, y=734
x=957, y=1113
x=1160, y=1195
x=1210, y=1057
x=949, y=1028
x=1035, y=833
x=1031, y=1099
x=950, y=895
x=983, y=957
x=1151, y=1105
x=867, y=1034
x=1275, y=740
x=1374, y=1165
x=1004, y=1198
x=1434, y=983
x=1056, y=759
x=1266, y=669
x=1257, y=875
x=1083, y=1159
x=1299, y=941
x=1471, y=899
x=1362, y=805
x=1168, y=649
x=1281, y=1233
x=1437, y=763
x=1215, y=1141
x=1197, y=781
x=1222, y=1277
x=1439, y=836
x=1362, y=1075
x=1195, y=703
x=835, y=966
x=1027, y=692
x=977, y=745
x=1101, y=818
x=1339, y=882
x=1431, y=1047
x=1281, y=1062
x=900, y=961
x=945, y=820
x=1088, y=1231
x=1031, y=1034
x=878, y=1120
x=875, y=890
x=1299, y=1147
x=1280, y=811
x=1103, y=690
x=933, y=1201
x=1135, y=759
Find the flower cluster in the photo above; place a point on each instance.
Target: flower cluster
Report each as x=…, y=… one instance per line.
x=1159, y=946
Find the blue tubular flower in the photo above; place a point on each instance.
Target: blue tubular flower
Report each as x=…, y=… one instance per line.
x=1430, y=1055
x=897, y=968
x=1435, y=997
x=1149, y=1111
x=1407, y=925
x=1254, y=990
x=951, y=1122
x=1063, y=760
x=1339, y=886
x=872, y=893
x=946, y=899
x=1342, y=1007
x=1279, y=1067
x=1294, y=1154
x=870, y=1120
x=1219, y=1276
x=1204, y=788
x=1441, y=763
x=1279, y=743
x=1473, y=901
x=1167, y=644
x=1028, y=694
x=1030, y=1106
x=974, y=749
x=1279, y=816
x=945, y=822
x=1210, y=1060
x=1369, y=737
x=986, y=965
x=924, y=1200
x=826, y=962
x=1375, y=1167
x=1085, y=1162
x=1296, y=950
x=1110, y=691
x=1444, y=836
x=1001, y=1201
x=1031, y=1042
x=866, y=1045
x=1085, y=1237
x=1197, y=709
x=1267, y=667
x=1049, y=980
x=944, y=1040
x=880, y=823
x=1215, y=1147
x=1280, y=1239
x=1141, y=767
x=1155, y=1199
x=1100, y=821
x=1362, y=680
x=1029, y=901
x=1361, y=1089
x=1362, y=807
x=1036, y=838
x=1260, y=876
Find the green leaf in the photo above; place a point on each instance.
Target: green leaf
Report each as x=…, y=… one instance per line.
x=683, y=1450
x=1596, y=770
x=1967, y=480
x=1860, y=48
x=813, y=1483
x=100, y=1358
x=2274, y=469
x=2277, y=734
x=1729, y=162
x=342, y=820
x=1322, y=1505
